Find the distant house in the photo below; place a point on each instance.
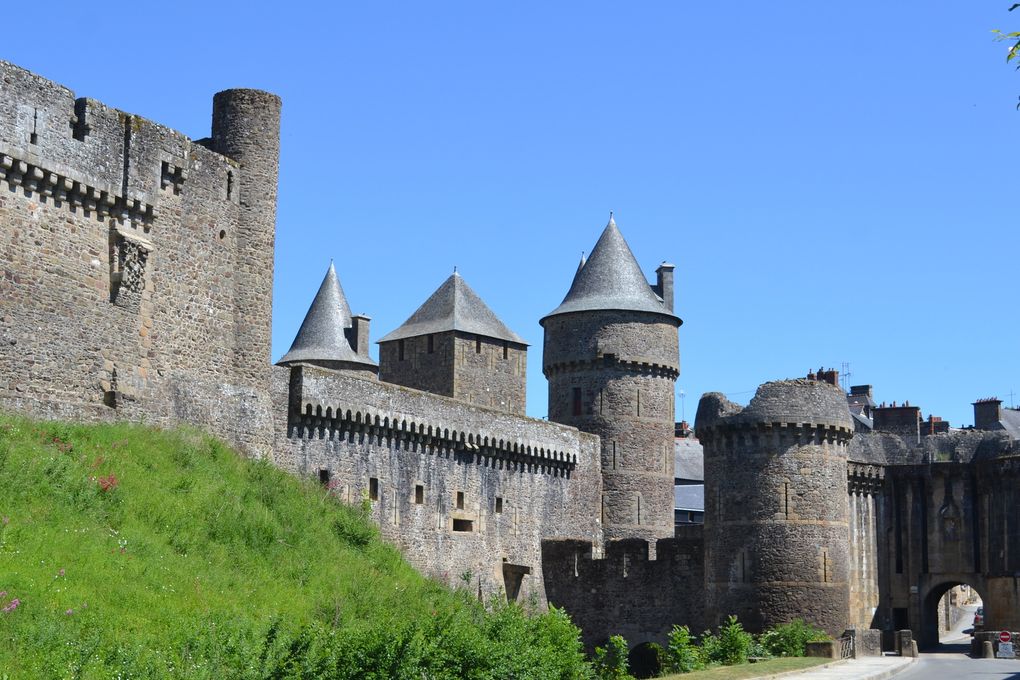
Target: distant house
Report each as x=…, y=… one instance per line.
x=689, y=477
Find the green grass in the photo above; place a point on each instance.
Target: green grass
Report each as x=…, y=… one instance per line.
x=752, y=670
x=194, y=562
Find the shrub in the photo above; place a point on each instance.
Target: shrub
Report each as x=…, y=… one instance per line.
x=682, y=656
x=611, y=661
x=790, y=639
x=758, y=651
x=733, y=643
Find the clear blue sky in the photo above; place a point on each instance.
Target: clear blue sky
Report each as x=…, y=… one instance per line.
x=835, y=181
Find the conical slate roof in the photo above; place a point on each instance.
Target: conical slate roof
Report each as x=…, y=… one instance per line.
x=321, y=337
x=611, y=279
x=454, y=307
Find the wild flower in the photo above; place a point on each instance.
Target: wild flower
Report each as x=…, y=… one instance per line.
x=60, y=573
x=11, y=606
x=68, y=612
x=6, y=520
x=108, y=483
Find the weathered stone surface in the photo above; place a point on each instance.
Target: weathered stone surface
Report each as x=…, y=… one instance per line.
x=137, y=264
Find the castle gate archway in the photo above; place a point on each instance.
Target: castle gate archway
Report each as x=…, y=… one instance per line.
x=950, y=523
x=929, y=624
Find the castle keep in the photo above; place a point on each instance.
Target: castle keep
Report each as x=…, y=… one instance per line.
x=136, y=271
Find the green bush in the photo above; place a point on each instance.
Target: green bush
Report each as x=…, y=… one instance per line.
x=610, y=662
x=790, y=639
x=731, y=646
x=682, y=655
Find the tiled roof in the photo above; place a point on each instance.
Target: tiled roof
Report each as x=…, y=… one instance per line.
x=322, y=334
x=611, y=279
x=454, y=307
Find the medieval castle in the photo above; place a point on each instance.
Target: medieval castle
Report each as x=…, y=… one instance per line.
x=135, y=283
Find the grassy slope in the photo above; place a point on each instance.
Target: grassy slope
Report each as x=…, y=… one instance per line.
x=183, y=566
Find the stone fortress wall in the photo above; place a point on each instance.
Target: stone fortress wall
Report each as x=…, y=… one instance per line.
x=136, y=284
x=623, y=590
x=137, y=263
x=460, y=488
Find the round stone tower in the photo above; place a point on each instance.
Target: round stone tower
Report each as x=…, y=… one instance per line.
x=246, y=129
x=776, y=506
x=611, y=357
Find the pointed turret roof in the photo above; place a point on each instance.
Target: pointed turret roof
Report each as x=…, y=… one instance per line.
x=454, y=307
x=322, y=336
x=611, y=279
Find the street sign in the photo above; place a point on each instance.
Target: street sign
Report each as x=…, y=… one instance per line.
x=1005, y=636
x=1005, y=651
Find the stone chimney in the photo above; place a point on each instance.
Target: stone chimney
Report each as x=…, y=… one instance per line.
x=986, y=413
x=359, y=334
x=861, y=391
x=664, y=284
x=830, y=376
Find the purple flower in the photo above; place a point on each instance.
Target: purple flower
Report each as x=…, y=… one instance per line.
x=68, y=612
x=11, y=606
x=61, y=572
x=3, y=594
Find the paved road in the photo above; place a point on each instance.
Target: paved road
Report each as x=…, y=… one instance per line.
x=951, y=661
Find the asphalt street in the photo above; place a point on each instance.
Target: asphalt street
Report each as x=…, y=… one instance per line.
x=951, y=661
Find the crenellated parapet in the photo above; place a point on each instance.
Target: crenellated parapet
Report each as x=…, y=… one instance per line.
x=624, y=590
x=326, y=404
x=634, y=365
x=770, y=436
x=865, y=478
x=76, y=195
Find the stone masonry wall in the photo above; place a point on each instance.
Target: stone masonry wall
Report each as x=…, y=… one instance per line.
x=866, y=508
x=475, y=369
x=119, y=253
x=776, y=508
x=460, y=488
x=419, y=369
x=626, y=593
x=612, y=373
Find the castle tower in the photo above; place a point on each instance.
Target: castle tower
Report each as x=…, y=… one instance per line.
x=456, y=346
x=246, y=128
x=330, y=336
x=611, y=357
x=776, y=506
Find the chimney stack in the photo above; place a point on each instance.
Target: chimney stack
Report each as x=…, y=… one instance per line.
x=359, y=334
x=664, y=284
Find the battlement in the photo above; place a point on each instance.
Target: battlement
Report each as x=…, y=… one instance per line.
x=624, y=591
x=780, y=433
x=864, y=478
x=810, y=409
x=635, y=365
x=97, y=159
x=327, y=404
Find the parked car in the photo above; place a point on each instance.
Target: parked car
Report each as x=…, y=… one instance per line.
x=979, y=618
